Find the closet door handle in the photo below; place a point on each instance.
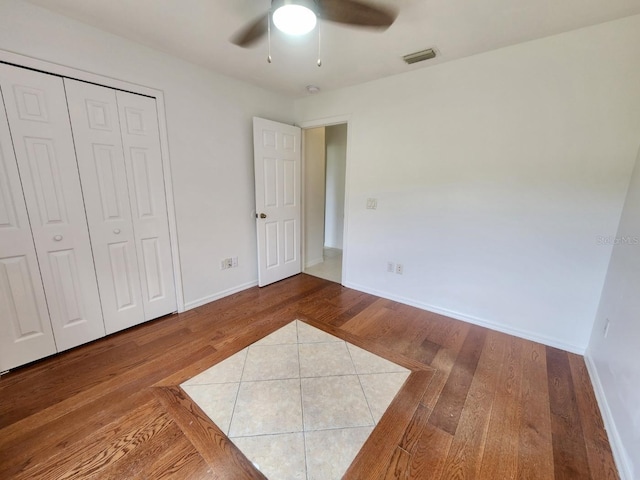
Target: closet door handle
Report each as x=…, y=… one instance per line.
x=117, y=231
x=57, y=238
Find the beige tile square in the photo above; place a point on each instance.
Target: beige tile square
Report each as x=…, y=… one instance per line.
x=380, y=389
x=330, y=452
x=271, y=362
x=267, y=407
x=325, y=359
x=367, y=362
x=227, y=371
x=216, y=401
x=279, y=457
x=334, y=402
x=309, y=334
x=285, y=335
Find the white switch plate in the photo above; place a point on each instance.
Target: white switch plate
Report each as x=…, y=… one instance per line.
x=372, y=203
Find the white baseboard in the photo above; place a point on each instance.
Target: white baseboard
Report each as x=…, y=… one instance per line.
x=624, y=469
x=313, y=262
x=474, y=320
x=219, y=295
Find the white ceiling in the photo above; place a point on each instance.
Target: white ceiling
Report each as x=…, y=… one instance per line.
x=199, y=31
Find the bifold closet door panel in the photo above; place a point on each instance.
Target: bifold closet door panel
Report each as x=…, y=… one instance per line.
x=25, y=328
x=36, y=108
x=96, y=132
x=143, y=159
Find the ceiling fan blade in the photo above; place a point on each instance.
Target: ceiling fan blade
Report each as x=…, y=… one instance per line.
x=252, y=32
x=353, y=12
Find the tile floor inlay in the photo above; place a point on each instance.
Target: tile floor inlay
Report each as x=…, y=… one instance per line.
x=299, y=403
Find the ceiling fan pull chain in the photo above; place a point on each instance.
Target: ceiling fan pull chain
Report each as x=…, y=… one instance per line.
x=319, y=57
x=269, y=36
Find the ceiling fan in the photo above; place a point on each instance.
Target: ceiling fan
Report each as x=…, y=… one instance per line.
x=348, y=12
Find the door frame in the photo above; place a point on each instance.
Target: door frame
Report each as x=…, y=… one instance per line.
x=327, y=122
x=82, y=75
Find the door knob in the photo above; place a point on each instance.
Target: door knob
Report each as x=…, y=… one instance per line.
x=57, y=238
x=117, y=231
x=263, y=215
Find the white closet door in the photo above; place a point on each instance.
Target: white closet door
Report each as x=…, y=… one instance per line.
x=25, y=328
x=39, y=122
x=96, y=132
x=141, y=140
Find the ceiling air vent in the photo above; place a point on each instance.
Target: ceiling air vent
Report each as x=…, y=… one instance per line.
x=420, y=56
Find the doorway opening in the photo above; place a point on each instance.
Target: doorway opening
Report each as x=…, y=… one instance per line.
x=325, y=155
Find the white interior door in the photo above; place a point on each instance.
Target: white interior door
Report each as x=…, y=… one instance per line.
x=277, y=184
x=143, y=161
x=96, y=130
x=25, y=328
x=36, y=108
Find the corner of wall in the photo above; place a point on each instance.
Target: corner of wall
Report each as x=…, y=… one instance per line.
x=624, y=469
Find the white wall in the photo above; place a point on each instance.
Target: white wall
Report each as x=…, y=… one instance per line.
x=210, y=139
x=614, y=361
x=314, y=192
x=336, y=141
x=494, y=176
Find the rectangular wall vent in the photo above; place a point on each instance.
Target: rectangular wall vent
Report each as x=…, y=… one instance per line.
x=420, y=56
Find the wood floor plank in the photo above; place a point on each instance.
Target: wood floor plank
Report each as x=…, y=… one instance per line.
x=535, y=448
x=600, y=461
x=414, y=430
x=222, y=456
x=124, y=383
x=64, y=432
x=398, y=466
x=180, y=462
x=374, y=457
x=447, y=411
x=569, y=450
x=106, y=447
x=430, y=454
x=500, y=457
x=464, y=459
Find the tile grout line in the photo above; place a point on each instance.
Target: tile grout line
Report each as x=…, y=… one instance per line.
x=304, y=432
x=235, y=402
x=361, y=387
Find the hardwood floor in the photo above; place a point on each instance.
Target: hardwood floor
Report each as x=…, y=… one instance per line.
x=478, y=405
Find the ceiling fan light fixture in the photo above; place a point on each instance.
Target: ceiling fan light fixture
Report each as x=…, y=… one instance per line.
x=294, y=17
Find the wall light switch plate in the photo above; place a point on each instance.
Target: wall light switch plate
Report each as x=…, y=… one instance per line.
x=372, y=203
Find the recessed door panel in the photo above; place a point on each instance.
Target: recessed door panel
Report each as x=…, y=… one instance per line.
x=25, y=327
x=45, y=154
x=290, y=243
x=64, y=270
x=143, y=161
x=270, y=182
x=289, y=183
x=121, y=274
x=8, y=213
x=19, y=303
x=105, y=158
x=96, y=128
x=277, y=182
x=272, y=246
x=141, y=182
x=153, y=269
x=46, y=181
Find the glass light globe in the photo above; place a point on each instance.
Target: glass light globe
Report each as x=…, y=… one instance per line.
x=294, y=19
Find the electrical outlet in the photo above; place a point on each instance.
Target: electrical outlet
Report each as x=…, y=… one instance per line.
x=399, y=269
x=391, y=267
x=605, y=331
x=226, y=263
